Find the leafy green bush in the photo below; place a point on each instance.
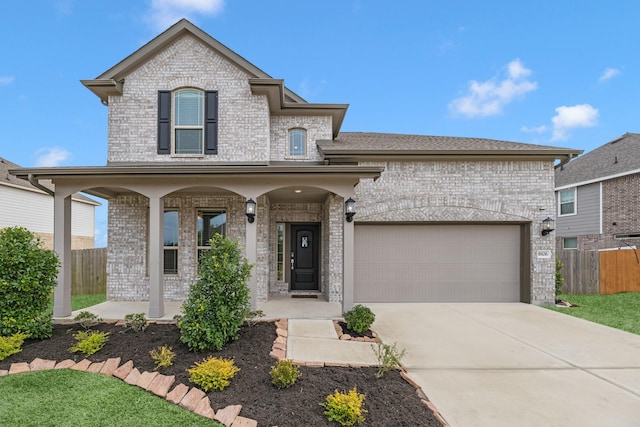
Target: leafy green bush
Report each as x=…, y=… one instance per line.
x=388, y=356
x=87, y=319
x=27, y=278
x=162, y=356
x=89, y=342
x=213, y=373
x=359, y=318
x=137, y=322
x=559, y=277
x=11, y=345
x=219, y=301
x=284, y=374
x=345, y=408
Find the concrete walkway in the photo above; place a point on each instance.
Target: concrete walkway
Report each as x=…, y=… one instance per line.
x=516, y=364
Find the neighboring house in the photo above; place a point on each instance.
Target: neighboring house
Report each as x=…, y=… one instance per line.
x=202, y=141
x=31, y=206
x=598, y=197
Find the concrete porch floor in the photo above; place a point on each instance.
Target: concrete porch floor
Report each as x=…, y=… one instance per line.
x=277, y=307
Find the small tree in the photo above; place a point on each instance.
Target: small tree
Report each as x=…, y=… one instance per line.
x=219, y=301
x=27, y=278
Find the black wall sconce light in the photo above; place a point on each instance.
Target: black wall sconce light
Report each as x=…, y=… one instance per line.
x=350, y=209
x=251, y=210
x=547, y=226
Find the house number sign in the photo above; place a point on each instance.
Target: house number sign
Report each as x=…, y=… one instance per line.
x=543, y=254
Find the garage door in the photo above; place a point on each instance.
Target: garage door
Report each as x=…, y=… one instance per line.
x=437, y=263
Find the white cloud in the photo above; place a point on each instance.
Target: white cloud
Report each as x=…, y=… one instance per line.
x=609, y=73
x=537, y=129
x=48, y=157
x=165, y=13
x=6, y=80
x=490, y=97
x=577, y=116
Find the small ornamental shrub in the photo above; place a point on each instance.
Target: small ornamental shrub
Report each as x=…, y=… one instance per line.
x=137, y=322
x=559, y=277
x=388, y=356
x=218, y=302
x=345, y=408
x=359, y=318
x=87, y=320
x=89, y=342
x=28, y=275
x=162, y=356
x=11, y=345
x=213, y=373
x=284, y=374
x=253, y=317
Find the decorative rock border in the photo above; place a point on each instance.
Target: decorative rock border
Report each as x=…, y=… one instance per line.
x=347, y=337
x=279, y=352
x=192, y=399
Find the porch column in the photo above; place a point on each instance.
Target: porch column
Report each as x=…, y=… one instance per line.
x=156, y=261
x=251, y=247
x=62, y=247
x=347, y=265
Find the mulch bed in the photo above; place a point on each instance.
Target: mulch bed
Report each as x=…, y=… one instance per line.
x=390, y=401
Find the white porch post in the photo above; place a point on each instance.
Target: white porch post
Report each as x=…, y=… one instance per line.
x=251, y=242
x=348, y=265
x=62, y=247
x=156, y=261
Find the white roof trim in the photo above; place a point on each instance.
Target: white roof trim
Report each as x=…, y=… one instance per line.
x=592, y=181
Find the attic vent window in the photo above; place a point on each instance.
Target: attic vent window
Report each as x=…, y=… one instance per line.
x=627, y=236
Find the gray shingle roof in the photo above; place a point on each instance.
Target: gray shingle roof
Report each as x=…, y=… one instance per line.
x=613, y=158
x=367, y=141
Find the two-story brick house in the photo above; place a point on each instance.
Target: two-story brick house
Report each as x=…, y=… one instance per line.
x=202, y=141
x=598, y=196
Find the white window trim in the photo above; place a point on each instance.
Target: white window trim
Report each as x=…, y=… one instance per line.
x=575, y=202
x=306, y=144
x=570, y=249
x=174, y=127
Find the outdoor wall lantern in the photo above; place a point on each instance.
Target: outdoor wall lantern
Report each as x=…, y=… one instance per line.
x=251, y=211
x=350, y=209
x=547, y=226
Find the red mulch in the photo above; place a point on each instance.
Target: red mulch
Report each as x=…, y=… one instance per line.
x=390, y=401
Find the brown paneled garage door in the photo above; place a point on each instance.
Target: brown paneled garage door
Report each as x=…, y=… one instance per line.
x=437, y=263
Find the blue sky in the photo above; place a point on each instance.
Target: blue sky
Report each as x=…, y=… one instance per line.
x=546, y=72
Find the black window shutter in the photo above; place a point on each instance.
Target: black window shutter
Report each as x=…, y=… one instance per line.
x=211, y=122
x=164, y=122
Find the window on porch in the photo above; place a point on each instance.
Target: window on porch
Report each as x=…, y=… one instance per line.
x=210, y=222
x=171, y=241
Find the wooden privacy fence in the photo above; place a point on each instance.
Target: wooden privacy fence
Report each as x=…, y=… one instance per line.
x=600, y=272
x=89, y=271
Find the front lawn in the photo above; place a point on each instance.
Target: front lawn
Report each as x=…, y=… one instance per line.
x=75, y=398
x=621, y=311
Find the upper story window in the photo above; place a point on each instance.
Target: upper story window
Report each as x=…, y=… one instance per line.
x=567, y=202
x=187, y=122
x=297, y=143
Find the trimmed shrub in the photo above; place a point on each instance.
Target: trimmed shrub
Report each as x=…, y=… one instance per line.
x=11, y=345
x=284, y=374
x=345, y=408
x=162, y=356
x=218, y=302
x=87, y=319
x=27, y=278
x=359, y=318
x=213, y=373
x=137, y=322
x=89, y=342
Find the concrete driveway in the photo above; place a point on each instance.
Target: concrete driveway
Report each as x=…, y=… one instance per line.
x=516, y=364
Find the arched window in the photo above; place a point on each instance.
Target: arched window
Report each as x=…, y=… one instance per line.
x=297, y=142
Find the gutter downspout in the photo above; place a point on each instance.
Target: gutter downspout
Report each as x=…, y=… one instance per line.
x=35, y=183
x=565, y=161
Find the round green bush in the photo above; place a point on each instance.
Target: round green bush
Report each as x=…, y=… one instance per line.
x=359, y=318
x=219, y=301
x=28, y=275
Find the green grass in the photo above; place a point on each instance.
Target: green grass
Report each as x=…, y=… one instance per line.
x=65, y=397
x=621, y=311
x=82, y=301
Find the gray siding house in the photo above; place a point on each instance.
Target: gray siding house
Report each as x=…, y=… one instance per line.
x=598, y=195
x=202, y=141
